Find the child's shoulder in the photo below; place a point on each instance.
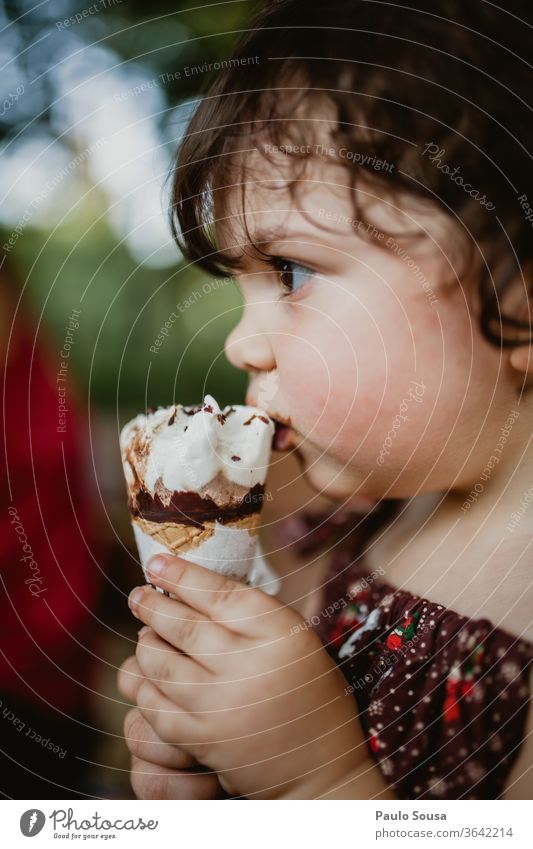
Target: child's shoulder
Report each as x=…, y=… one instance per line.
x=443, y=698
x=480, y=573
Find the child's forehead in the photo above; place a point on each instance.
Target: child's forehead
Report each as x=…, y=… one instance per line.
x=269, y=194
x=267, y=186
x=282, y=166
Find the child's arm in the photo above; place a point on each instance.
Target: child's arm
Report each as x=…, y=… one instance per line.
x=236, y=680
x=367, y=782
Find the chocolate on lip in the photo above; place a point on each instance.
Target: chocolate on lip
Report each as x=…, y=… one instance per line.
x=286, y=421
x=276, y=417
x=284, y=432
x=284, y=437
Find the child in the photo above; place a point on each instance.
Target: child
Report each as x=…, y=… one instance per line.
x=367, y=180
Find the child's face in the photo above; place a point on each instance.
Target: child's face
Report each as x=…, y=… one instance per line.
x=377, y=359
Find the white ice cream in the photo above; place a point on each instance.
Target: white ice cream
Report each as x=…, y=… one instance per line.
x=188, y=453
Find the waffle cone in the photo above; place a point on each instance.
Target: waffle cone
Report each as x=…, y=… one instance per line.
x=179, y=538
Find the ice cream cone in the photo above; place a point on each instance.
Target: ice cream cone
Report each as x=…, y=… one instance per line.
x=229, y=549
x=195, y=497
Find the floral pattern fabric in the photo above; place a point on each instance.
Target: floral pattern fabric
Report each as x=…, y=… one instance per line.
x=443, y=699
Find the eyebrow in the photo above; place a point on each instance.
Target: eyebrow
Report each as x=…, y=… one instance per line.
x=265, y=238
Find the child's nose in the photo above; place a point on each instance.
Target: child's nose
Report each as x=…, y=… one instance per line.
x=248, y=348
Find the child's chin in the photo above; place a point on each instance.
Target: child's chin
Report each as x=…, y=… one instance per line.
x=362, y=503
x=329, y=479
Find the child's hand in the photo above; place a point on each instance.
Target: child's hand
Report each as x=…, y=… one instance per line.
x=158, y=770
x=236, y=679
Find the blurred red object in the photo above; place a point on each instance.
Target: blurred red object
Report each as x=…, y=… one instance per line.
x=49, y=569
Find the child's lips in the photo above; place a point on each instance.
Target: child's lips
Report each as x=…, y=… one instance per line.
x=284, y=437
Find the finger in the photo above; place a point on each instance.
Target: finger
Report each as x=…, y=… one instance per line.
x=171, y=722
x=144, y=744
x=223, y=600
x=130, y=678
x=150, y=781
x=177, y=676
x=180, y=625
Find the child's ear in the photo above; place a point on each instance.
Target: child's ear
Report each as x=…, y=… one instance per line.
x=521, y=359
x=519, y=295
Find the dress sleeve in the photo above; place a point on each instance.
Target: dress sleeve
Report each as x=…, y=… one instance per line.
x=446, y=717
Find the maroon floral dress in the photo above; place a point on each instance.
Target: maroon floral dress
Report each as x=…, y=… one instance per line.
x=443, y=699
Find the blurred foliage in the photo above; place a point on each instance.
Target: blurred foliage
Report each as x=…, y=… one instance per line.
x=82, y=262
x=161, y=35
x=124, y=307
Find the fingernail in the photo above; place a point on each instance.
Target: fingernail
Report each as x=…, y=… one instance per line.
x=143, y=630
x=135, y=597
x=157, y=565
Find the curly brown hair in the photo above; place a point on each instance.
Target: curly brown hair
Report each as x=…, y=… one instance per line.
x=400, y=77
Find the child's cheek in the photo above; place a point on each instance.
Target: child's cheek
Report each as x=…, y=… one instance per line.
x=333, y=391
x=349, y=367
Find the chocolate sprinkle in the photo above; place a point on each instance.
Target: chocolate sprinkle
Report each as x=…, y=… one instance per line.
x=255, y=416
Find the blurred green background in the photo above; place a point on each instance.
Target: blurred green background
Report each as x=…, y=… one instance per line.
x=96, y=98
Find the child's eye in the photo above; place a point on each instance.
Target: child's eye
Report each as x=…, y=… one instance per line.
x=291, y=274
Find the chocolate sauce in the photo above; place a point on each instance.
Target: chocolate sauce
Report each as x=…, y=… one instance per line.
x=189, y=508
x=255, y=416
